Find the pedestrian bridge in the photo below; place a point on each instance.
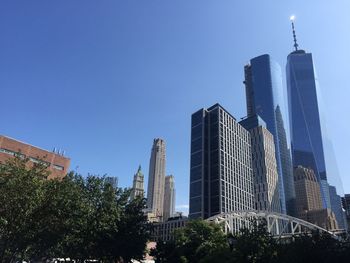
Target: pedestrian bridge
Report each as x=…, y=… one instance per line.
x=279, y=225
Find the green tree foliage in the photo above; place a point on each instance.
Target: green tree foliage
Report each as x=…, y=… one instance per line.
x=74, y=217
x=198, y=240
x=255, y=244
x=201, y=242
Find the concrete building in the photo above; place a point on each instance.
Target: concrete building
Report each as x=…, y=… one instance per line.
x=221, y=174
x=156, y=178
x=264, y=165
x=137, y=185
x=309, y=204
x=169, y=197
x=57, y=164
x=324, y=218
x=164, y=231
x=307, y=189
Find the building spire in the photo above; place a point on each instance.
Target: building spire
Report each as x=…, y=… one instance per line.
x=292, y=18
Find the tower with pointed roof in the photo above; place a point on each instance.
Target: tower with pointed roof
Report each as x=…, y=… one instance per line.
x=137, y=185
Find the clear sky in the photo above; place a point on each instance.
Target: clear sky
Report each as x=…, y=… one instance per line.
x=101, y=79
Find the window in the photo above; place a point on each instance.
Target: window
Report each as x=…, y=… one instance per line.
x=58, y=167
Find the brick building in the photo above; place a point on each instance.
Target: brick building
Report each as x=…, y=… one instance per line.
x=58, y=165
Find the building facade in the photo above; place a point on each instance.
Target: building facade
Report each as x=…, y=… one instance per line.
x=221, y=174
x=164, y=231
x=137, y=189
x=346, y=206
x=336, y=205
x=324, y=218
x=304, y=116
x=309, y=204
x=264, y=95
x=169, y=197
x=307, y=190
x=57, y=164
x=264, y=165
x=156, y=178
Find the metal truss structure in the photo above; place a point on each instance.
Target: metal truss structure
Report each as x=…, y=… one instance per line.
x=279, y=225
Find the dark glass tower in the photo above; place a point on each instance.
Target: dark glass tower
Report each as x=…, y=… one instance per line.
x=221, y=175
x=305, y=125
x=263, y=83
x=306, y=135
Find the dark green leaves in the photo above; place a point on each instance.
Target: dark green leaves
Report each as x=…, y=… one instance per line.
x=76, y=217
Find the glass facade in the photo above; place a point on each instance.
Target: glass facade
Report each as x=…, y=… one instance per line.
x=263, y=82
x=337, y=207
x=306, y=135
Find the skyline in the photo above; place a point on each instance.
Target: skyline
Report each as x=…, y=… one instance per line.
x=102, y=90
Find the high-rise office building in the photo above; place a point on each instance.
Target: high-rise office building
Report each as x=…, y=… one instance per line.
x=304, y=115
x=264, y=165
x=263, y=84
x=169, y=197
x=137, y=185
x=307, y=190
x=156, y=178
x=221, y=175
x=309, y=205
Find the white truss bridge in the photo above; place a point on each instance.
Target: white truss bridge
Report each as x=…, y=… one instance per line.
x=279, y=225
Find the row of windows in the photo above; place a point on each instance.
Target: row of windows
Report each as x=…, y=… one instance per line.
x=32, y=159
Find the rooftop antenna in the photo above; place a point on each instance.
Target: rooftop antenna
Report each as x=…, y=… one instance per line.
x=292, y=19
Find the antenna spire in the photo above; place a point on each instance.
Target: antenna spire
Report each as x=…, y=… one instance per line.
x=292, y=18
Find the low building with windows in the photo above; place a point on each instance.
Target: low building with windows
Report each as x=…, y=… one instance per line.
x=164, y=231
x=57, y=164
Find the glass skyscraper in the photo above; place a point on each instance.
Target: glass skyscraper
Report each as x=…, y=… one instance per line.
x=304, y=116
x=263, y=83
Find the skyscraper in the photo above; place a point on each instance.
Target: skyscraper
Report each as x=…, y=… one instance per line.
x=304, y=115
x=263, y=84
x=156, y=177
x=309, y=205
x=137, y=185
x=307, y=190
x=221, y=175
x=264, y=165
x=169, y=197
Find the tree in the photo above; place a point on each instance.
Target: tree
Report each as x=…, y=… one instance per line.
x=80, y=218
x=196, y=241
x=255, y=244
x=315, y=247
x=21, y=194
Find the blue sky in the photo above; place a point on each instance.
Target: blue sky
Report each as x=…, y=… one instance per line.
x=101, y=79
